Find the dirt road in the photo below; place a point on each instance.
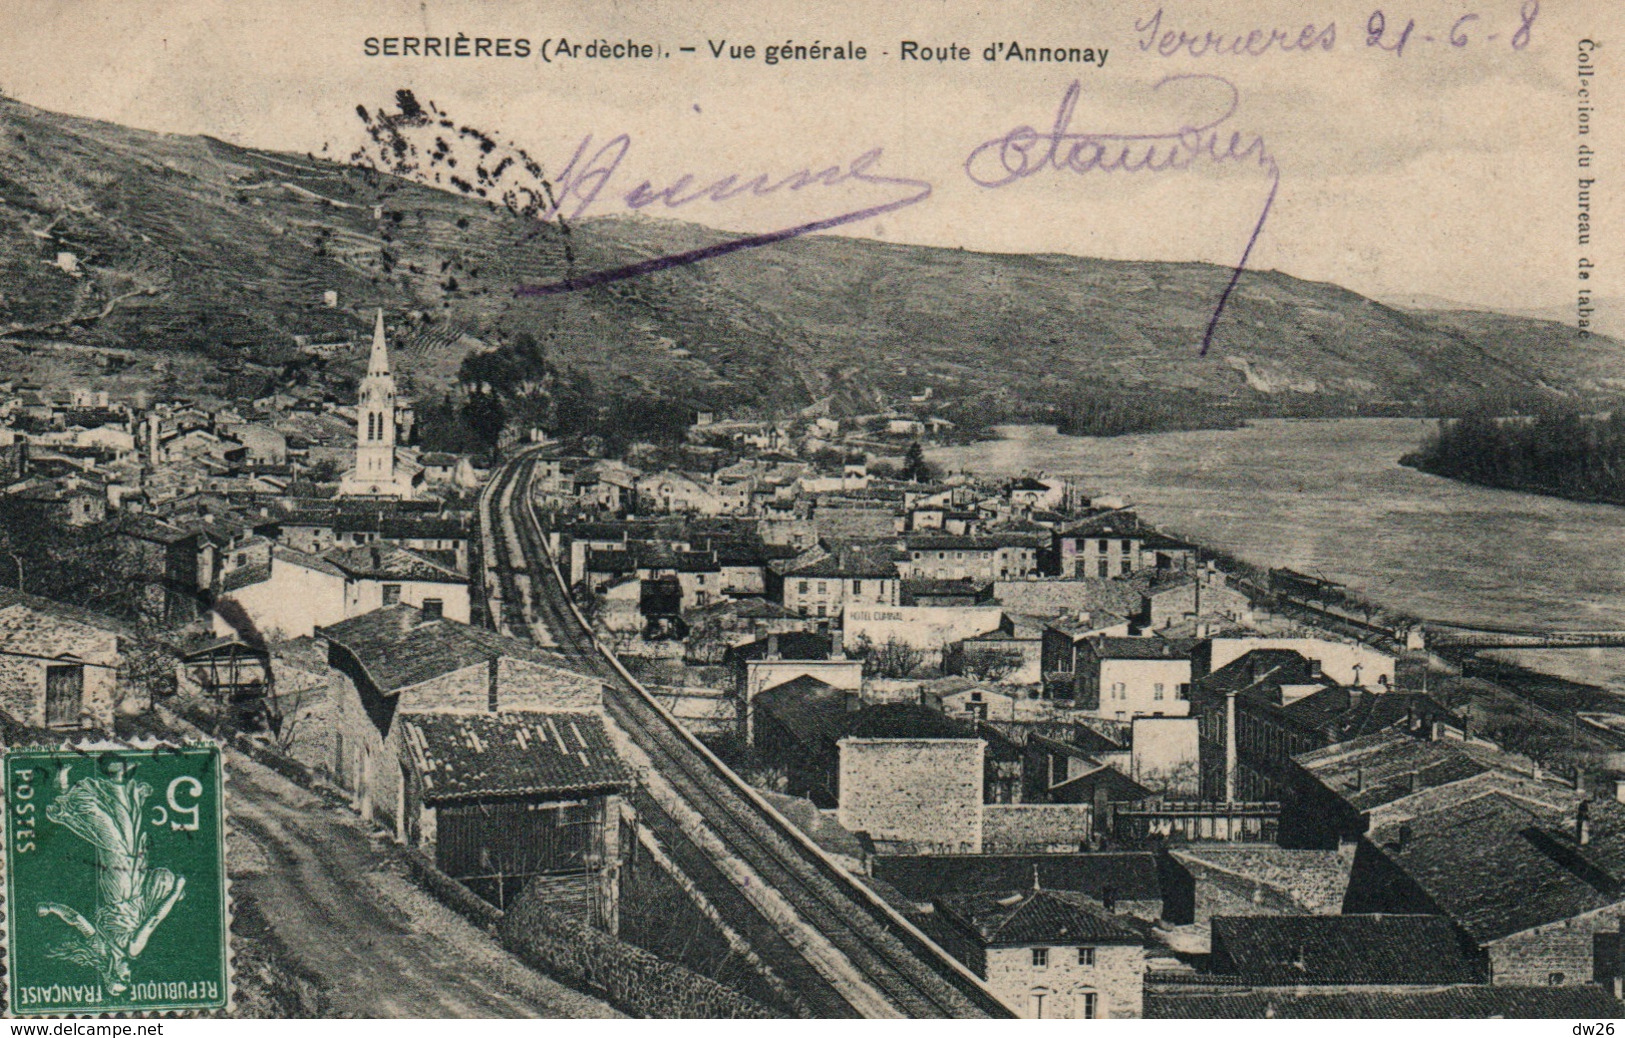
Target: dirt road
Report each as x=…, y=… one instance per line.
x=344, y=912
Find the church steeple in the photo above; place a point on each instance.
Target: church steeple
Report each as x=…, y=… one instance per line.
x=378, y=361
x=375, y=420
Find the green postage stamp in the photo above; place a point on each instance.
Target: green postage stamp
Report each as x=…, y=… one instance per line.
x=115, y=880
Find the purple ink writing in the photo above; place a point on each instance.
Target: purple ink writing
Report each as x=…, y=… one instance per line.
x=1024, y=152
x=1251, y=44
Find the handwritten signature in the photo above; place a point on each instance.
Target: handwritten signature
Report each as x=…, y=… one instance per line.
x=584, y=178
x=994, y=164
x=1025, y=152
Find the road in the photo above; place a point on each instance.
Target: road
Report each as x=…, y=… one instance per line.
x=382, y=947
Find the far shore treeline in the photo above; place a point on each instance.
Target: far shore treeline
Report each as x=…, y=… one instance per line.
x=1564, y=454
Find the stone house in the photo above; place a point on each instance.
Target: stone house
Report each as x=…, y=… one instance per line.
x=1047, y=954
x=823, y=587
x=296, y=592
x=1123, y=678
x=56, y=671
x=912, y=780
x=989, y=557
x=1107, y=544
x=482, y=750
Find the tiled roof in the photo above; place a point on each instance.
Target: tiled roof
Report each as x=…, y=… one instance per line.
x=903, y=721
x=400, y=648
x=992, y=541
x=809, y=709
x=1036, y=917
x=1117, y=523
x=1140, y=649
x=389, y=562
x=64, y=611
x=465, y=756
x=791, y=645
x=1478, y=863
x=1343, y=949
x=1476, y=1002
x=1128, y=875
x=243, y=576
x=1377, y=769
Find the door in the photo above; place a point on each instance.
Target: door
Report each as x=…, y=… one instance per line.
x=64, y=695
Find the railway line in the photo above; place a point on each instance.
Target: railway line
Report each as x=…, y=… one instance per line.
x=834, y=946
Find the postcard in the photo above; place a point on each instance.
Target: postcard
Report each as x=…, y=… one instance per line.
x=1097, y=510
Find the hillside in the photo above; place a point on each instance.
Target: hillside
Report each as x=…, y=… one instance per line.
x=188, y=246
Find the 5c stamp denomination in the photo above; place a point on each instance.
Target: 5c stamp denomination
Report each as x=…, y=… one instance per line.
x=115, y=880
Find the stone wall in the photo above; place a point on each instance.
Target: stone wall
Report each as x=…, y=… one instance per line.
x=1555, y=955
x=1035, y=828
x=928, y=791
x=636, y=981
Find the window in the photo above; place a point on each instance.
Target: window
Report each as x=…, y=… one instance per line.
x=1127, y=567
x=392, y=594
x=1040, y=958
x=821, y=609
x=64, y=694
x=1105, y=568
x=1088, y=1005
x=1157, y=691
x=823, y=587
x=857, y=587
x=1119, y=690
x=1554, y=980
x=804, y=588
x=1086, y=956
x=1035, y=1002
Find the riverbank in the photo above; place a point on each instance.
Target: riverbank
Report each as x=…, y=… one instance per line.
x=1329, y=498
x=1418, y=462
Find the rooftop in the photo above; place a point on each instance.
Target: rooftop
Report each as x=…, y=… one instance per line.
x=1036, y=916
x=1466, y=1002
x=1127, y=875
x=466, y=756
x=1343, y=949
x=400, y=647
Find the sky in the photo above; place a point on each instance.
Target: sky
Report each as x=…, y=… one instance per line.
x=1445, y=171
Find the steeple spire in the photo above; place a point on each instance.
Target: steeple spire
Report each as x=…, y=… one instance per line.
x=378, y=362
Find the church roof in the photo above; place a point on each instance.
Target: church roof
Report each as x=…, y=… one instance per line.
x=378, y=360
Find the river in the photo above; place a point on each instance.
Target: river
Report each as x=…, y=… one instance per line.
x=1330, y=498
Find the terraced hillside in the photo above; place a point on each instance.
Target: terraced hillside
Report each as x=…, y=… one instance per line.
x=191, y=245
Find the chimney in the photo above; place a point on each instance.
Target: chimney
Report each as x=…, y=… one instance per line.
x=1582, y=823
x=1414, y=781
x=772, y=646
x=1619, y=788
x=1314, y=670
x=1404, y=835
x=854, y=701
x=1359, y=779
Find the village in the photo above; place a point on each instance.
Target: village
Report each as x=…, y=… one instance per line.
x=1111, y=772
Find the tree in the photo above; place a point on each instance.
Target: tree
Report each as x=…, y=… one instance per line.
x=707, y=640
x=893, y=659
x=486, y=418
x=915, y=468
x=989, y=664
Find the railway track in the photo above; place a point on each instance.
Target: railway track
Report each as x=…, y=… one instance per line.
x=830, y=940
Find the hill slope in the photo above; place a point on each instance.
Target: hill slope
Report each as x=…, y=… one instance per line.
x=191, y=244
